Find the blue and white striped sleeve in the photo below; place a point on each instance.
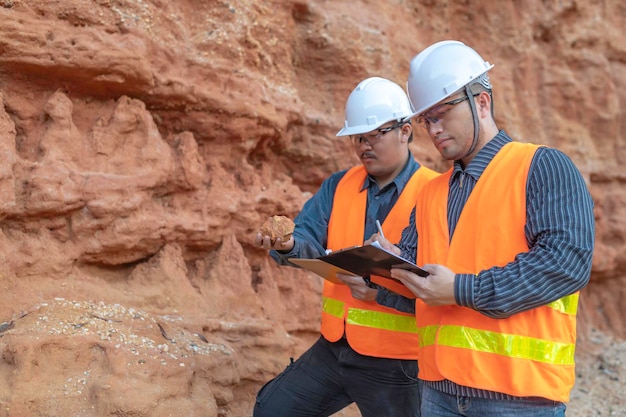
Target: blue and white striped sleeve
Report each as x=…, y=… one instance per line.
x=560, y=230
x=408, y=241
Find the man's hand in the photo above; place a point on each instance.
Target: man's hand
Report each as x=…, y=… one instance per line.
x=266, y=243
x=358, y=288
x=384, y=243
x=437, y=289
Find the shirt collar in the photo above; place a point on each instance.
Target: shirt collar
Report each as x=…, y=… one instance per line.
x=478, y=165
x=400, y=180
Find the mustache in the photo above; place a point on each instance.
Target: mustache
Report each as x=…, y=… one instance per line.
x=368, y=154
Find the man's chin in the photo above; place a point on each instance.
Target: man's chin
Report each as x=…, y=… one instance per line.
x=449, y=153
x=372, y=170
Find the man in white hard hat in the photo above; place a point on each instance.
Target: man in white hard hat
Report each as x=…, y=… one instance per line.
x=507, y=235
x=367, y=353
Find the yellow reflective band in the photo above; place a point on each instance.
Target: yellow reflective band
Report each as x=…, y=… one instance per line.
x=332, y=307
x=567, y=304
x=379, y=320
x=513, y=346
x=428, y=335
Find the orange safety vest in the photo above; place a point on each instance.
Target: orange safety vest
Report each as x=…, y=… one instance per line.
x=528, y=354
x=370, y=328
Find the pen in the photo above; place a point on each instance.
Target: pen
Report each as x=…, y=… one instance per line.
x=380, y=229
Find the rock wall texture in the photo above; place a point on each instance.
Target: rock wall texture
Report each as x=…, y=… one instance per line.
x=143, y=143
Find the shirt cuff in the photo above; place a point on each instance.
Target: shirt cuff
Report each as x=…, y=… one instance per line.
x=390, y=299
x=281, y=257
x=464, y=289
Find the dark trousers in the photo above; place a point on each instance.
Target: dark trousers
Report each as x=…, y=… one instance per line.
x=330, y=376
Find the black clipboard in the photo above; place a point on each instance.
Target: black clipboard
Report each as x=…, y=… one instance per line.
x=370, y=260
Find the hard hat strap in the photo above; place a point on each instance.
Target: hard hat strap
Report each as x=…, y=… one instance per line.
x=470, y=95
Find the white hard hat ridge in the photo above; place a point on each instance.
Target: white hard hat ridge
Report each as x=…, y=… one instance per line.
x=441, y=70
x=374, y=102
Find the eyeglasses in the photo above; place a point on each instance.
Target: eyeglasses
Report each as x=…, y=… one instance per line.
x=373, y=138
x=435, y=115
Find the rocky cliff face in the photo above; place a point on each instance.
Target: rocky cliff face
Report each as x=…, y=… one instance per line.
x=143, y=143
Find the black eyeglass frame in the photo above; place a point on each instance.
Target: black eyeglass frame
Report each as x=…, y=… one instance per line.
x=374, y=138
x=422, y=119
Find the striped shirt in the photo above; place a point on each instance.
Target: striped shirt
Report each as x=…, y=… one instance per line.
x=559, y=230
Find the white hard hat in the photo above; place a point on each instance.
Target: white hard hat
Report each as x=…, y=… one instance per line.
x=441, y=70
x=374, y=102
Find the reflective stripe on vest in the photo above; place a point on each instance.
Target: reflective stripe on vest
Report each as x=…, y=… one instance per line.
x=370, y=318
x=567, y=304
x=333, y=307
x=381, y=320
x=513, y=346
x=370, y=328
x=528, y=354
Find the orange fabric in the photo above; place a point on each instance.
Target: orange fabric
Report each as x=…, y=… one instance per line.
x=489, y=232
x=346, y=229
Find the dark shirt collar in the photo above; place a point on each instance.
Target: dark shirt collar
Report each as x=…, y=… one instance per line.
x=477, y=166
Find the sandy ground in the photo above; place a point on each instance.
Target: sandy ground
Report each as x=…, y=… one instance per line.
x=600, y=388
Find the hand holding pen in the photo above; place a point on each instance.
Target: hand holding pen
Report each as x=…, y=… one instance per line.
x=382, y=240
x=380, y=229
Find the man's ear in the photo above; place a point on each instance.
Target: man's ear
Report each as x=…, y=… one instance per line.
x=407, y=129
x=484, y=104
